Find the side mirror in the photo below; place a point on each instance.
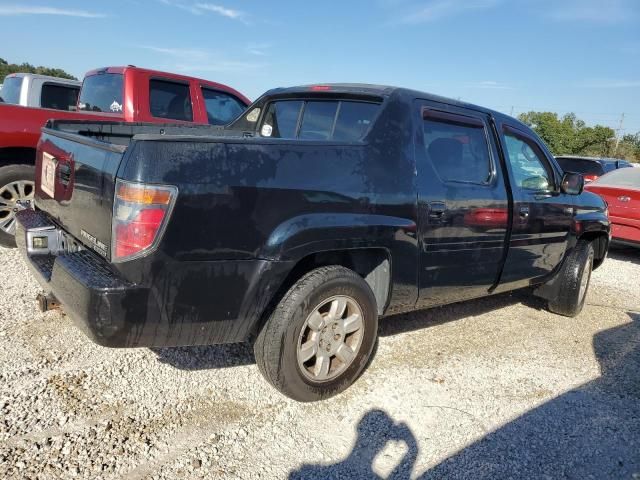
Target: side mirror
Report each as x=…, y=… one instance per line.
x=572, y=183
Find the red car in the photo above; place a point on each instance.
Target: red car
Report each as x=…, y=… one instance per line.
x=621, y=190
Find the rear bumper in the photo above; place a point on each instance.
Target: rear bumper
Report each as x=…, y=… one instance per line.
x=188, y=303
x=99, y=301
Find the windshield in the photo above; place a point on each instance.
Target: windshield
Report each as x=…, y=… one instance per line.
x=621, y=178
x=10, y=92
x=102, y=93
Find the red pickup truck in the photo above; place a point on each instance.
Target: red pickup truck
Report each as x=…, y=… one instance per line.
x=128, y=94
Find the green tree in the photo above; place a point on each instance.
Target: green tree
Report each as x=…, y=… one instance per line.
x=570, y=135
x=7, y=68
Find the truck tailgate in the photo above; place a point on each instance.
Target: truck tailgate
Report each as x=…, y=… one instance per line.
x=75, y=183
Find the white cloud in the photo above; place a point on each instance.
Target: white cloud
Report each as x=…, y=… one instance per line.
x=13, y=10
x=258, y=49
x=220, y=10
x=185, y=53
x=594, y=11
x=438, y=9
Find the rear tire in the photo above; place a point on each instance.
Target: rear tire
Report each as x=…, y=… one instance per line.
x=573, y=281
x=16, y=193
x=320, y=337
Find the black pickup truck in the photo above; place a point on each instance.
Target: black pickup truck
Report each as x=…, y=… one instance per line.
x=319, y=210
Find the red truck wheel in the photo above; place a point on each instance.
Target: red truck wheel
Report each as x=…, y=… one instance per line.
x=16, y=193
x=320, y=337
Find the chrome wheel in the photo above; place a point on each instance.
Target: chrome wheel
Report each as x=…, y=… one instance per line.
x=14, y=196
x=330, y=338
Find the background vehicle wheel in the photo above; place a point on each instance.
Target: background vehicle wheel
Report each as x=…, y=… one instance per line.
x=319, y=338
x=16, y=193
x=574, y=281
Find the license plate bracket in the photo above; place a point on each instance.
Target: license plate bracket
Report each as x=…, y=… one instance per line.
x=48, y=174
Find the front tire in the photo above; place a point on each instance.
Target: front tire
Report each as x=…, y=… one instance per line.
x=574, y=279
x=319, y=338
x=16, y=193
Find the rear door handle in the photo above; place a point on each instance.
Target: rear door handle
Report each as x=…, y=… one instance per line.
x=524, y=212
x=436, y=210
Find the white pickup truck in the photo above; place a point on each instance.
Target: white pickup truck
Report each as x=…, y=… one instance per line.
x=32, y=90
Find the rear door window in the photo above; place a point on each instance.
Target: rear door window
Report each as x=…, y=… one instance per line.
x=58, y=97
x=457, y=147
x=10, y=92
x=318, y=120
x=102, y=93
x=170, y=100
x=222, y=107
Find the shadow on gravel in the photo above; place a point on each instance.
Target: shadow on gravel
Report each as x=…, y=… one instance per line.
x=206, y=357
x=375, y=430
x=592, y=431
x=407, y=322
x=625, y=254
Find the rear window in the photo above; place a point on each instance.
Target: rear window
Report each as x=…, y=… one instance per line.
x=318, y=120
x=101, y=93
x=10, y=92
x=170, y=100
x=221, y=107
x=58, y=97
x=577, y=165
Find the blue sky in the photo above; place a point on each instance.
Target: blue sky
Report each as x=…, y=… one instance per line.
x=511, y=55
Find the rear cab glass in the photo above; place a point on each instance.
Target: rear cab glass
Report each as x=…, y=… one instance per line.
x=102, y=93
x=320, y=120
x=10, y=92
x=59, y=97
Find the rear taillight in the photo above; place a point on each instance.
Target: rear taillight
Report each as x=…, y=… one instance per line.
x=140, y=214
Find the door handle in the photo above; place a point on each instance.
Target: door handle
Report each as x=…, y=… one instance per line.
x=436, y=210
x=524, y=213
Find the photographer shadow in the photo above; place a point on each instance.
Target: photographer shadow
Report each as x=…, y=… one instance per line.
x=375, y=430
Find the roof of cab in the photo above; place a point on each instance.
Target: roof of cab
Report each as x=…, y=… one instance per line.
x=381, y=91
x=34, y=76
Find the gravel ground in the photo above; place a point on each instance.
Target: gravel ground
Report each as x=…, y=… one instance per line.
x=491, y=388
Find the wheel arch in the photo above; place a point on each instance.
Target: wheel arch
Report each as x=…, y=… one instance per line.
x=373, y=264
x=17, y=156
x=600, y=242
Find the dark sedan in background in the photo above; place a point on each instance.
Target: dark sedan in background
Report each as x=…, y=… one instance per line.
x=590, y=167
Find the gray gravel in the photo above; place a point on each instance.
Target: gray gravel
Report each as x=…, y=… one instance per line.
x=493, y=388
